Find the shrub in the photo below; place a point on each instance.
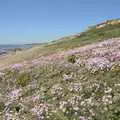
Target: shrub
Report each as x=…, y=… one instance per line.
x=72, y=58
x=23, y=79
x=2, y=106
x=10, y=74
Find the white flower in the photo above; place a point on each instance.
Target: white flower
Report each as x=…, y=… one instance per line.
x=107, y=99
x=117, y=85
x=82, y=103
x=57, y=90
x=98, y=63
x=40, y=111
x=76, y=108
x=36, y=98
x=108, y=90
x=62, y=104
x=82, y=118
x=9, y=116
x=75, y=87
x=15, y=94
x=67, y=77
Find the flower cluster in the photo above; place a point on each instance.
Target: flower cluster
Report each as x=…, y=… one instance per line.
x=40, y=110
x=98, y=63
x=15, y=94
x=9, y=116
x=16, y=66
x=57, y=90
x=66, y=90
x=67, y=77
x=71, y=105
x=76, y=87
x=107, y=99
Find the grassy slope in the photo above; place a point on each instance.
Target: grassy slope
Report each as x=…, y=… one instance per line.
x=87, y=37
x=94, y=89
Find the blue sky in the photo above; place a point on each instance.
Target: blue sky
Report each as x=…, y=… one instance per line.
x=26, y=21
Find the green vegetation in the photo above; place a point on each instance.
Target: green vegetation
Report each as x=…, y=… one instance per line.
x=2, y=106
x=89, y=36
x=72, y=58
x=85, y=85
x=53, y=89
x=23, y=79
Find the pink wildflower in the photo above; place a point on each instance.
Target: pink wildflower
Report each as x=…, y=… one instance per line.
x=17, y=66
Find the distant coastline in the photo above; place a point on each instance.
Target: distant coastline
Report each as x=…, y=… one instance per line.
x=5, y=49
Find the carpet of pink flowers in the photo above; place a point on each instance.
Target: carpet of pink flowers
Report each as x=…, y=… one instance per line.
x=53, y=88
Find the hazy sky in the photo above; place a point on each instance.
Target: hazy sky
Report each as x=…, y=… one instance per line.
x=25, y=21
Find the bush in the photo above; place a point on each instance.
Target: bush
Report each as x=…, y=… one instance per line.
x=2, y=106
x=72, y=59
x=23, y=79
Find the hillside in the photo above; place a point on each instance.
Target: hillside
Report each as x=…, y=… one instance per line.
x=74, y=78
x=92, y=35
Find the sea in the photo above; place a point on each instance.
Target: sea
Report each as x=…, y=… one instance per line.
x=6, y=48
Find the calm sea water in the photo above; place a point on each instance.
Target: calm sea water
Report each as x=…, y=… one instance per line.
x=7, y=48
